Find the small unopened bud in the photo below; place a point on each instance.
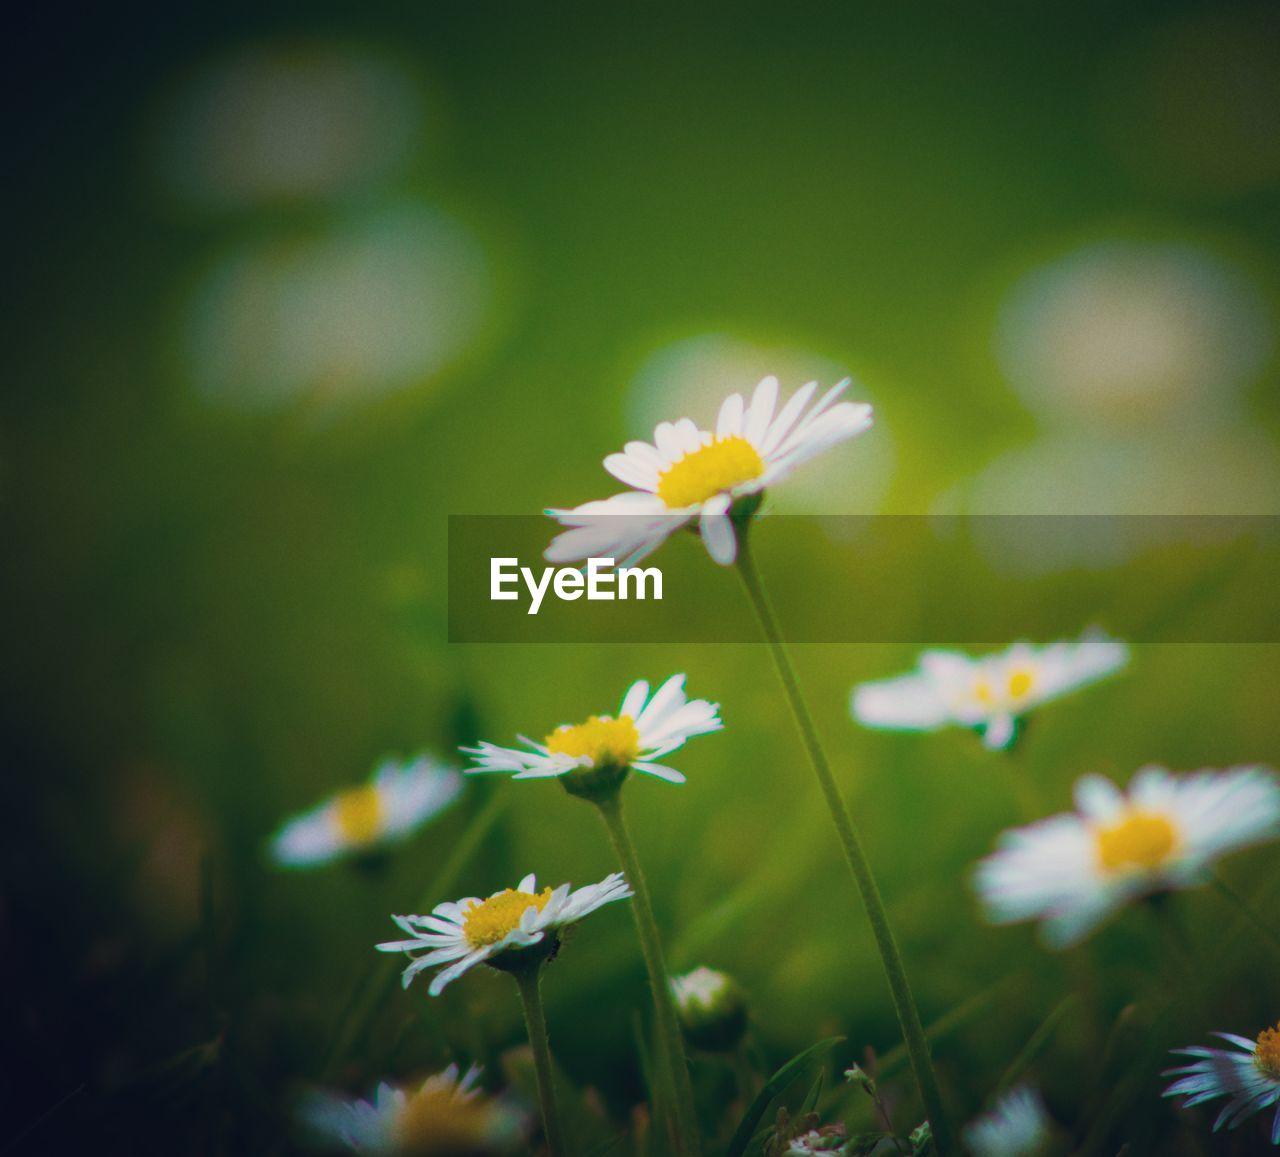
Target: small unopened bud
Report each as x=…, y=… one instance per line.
x=857, y=1075
x=712, y=1009
x=921, y=1139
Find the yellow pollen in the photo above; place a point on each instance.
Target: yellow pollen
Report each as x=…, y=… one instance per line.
x=439, y=1121
x=492, y=919
x=983, y=694
x=358, y=813
x=1141, y=840
x=709, y=470
x=607, y=741
x=1267, y=1055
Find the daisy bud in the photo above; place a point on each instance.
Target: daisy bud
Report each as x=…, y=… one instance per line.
x=857, y=1075
x=712, y=1008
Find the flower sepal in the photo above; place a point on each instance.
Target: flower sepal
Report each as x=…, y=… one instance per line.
x=744, y=509
x=521, y=961
x=595, y=784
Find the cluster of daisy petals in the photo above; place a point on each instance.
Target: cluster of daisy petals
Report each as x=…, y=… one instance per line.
x=1071, y=872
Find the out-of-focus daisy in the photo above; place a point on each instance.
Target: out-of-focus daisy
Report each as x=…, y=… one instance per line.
x=712, y=1009
x=1250, y=1078
x=600, y=752
x=687, y=473
x=397, y=799
x=1018, y=1126
x=446, y=1116
x=1073, y=871
x=989, y=694
x=497, y=931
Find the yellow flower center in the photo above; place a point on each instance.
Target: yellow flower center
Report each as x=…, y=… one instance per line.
x=358, y=813
x=1020, y=683
x=492, y=919
x=1267, y=1056
x=607, y=741
x=436, y=1121
x=1141, y=840
x=709, y=470
x=1017, y=685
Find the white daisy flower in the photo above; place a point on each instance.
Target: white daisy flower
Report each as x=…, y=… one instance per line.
x=1074, y=871
x=990, y=693
x=1018, y=1126
x=603, y=749
x=472, y=931
x=397, y=799
x=445, y=1115
x=688, y=473
x=1250, y=1078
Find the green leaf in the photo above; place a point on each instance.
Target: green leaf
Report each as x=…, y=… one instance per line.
x=772, y=1087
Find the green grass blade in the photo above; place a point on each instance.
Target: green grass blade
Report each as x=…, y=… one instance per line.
x=772, y=1087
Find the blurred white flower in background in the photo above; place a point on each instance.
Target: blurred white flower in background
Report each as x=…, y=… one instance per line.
x=447, y=1115
x=694, y=374
x=1128, y=331
x=283, y=123
x=1017, y=1126
x=376, y=303
x=397, y=800
x=990, y=693
x=1073, y=871
x=1136, y=358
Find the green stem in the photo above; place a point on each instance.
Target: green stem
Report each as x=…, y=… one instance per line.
x=687, y=1139
x=903, y=1002
x=529, y=981
x=1252, y=918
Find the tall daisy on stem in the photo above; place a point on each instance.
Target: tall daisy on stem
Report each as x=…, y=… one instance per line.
x=717, y=479
x=592, y=760
x=516, y=931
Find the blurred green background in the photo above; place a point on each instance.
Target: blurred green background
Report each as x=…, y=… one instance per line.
x=290, y=285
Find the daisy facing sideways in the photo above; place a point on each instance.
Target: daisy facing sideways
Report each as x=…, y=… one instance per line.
x=600, y=752
x=1074, y=871
x=397, y=800
x=689, y=474
x=1250, y=1078
x=989, y=694
x=497, y=931
x=444, y=1116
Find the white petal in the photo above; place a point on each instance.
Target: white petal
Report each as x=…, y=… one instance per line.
x=450, y=974
x=760, y=413
x=999, y=731
x=909, y=703
x=634, y=700
x=628, y=470
x=661, y=771
x=718, y=537
x=780, y=426
x=729, y=421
